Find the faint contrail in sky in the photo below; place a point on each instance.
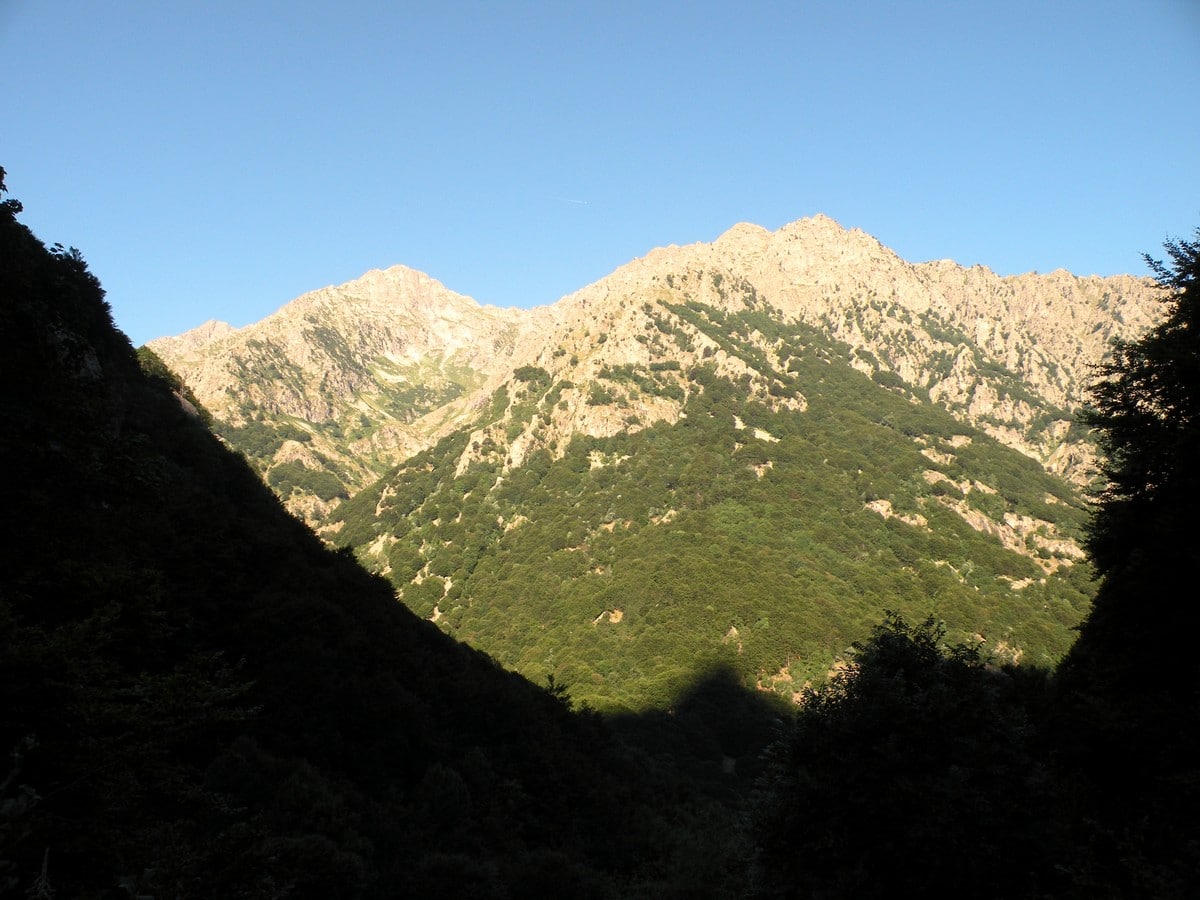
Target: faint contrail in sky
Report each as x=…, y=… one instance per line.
x=569, y=200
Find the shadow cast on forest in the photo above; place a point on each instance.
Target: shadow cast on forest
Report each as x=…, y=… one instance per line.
x=714, y=732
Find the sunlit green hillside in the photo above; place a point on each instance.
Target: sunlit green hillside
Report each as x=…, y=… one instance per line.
x=747, y=533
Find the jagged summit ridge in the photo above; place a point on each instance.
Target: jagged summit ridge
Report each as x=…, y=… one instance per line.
x=396, y=360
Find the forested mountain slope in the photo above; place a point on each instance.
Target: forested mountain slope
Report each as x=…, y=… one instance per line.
x=765, y=529
x=735, y=454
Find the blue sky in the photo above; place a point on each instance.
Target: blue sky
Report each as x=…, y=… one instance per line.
x=215, y=160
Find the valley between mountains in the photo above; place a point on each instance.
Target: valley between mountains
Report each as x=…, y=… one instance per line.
x=729, y=456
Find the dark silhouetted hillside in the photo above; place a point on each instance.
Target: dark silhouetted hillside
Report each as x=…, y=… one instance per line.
x=198, y=699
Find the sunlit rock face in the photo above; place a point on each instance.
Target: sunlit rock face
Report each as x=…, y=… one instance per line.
x=372, y=371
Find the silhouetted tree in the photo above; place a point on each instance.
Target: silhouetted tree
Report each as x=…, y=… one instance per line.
x=908, y=774
x=1143, y=536
x=1147, y=414
x=1128, y=708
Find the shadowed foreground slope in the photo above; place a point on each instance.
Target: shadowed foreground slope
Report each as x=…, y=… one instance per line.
x=201, y=700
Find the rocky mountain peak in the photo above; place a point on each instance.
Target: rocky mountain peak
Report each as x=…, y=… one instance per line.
x=744, y=236
x=198, y=337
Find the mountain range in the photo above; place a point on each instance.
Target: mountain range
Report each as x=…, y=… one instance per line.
x=586, y=490
x=387, y=364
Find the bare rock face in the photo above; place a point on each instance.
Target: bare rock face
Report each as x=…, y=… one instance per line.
x=372, y=371
x=323, y=350
x=1011, y=355
x=354, y=367
x=193, y=342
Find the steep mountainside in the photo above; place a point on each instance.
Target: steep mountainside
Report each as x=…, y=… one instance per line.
x=1009, y=355
x=346, y=381
x=733, y=455
x=762, y=524
x=328, y=392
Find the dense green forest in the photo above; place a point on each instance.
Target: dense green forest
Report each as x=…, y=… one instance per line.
x=200, y=699
x=747, y=534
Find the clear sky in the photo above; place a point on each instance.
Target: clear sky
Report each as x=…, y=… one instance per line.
x=217, y=159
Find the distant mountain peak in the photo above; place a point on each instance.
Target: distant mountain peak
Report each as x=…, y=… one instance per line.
x=816, y=221
x=744, y=231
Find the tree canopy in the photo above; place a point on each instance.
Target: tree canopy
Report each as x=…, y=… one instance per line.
x=1142, y=535
x=1129, y=690
x=1147, y=413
